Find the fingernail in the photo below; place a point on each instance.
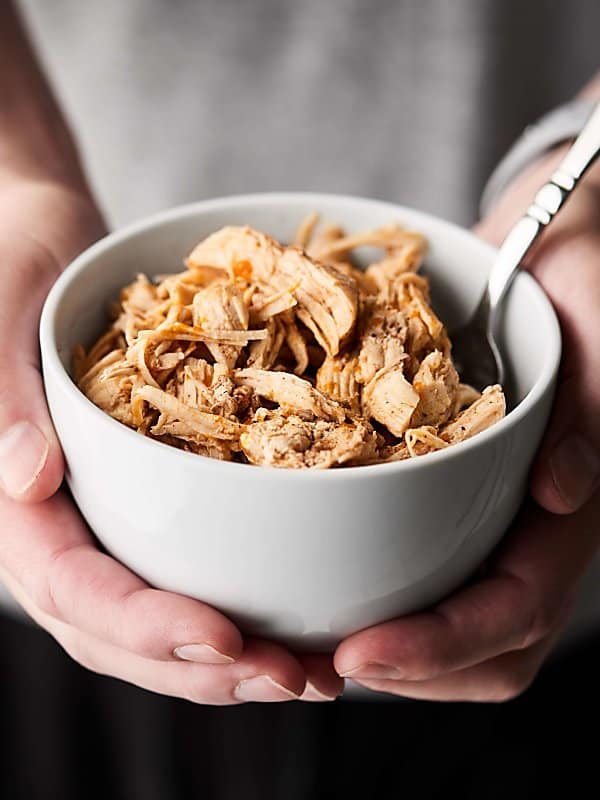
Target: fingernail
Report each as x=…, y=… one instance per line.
x=575, y=467
x=23, y=453
x=371, y=669
x=202, y=653
x=313, y=695
x=262, y=689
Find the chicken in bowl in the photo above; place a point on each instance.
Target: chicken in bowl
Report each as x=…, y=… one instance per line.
x=287, y=356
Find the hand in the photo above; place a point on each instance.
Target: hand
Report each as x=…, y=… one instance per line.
x=106, y=617
x=487, y=641
x=566, y=262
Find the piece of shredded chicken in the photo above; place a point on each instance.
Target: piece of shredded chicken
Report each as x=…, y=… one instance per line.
x=287, y=356
x=277, y=440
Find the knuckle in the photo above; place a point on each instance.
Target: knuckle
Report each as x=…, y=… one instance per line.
x=541, y=622
x=45, y=583
x=534, y=612
x=38, y=588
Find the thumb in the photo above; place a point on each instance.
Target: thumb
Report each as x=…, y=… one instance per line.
x=31, y=462
x=566, y=472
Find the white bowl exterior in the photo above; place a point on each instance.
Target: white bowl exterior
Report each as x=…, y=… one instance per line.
x=303, y=557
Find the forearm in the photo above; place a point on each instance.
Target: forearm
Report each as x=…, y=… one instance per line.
x=35, y=142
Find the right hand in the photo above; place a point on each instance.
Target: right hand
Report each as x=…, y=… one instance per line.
x=102, y=614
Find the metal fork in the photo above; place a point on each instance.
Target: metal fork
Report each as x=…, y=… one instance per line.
x=475, y=350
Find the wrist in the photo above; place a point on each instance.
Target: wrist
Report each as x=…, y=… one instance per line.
x=41, y=154
x=518, y=195
x=35, y=141
x=64, y=219
x=47, y=156
x=554, y=129
x=540, y=171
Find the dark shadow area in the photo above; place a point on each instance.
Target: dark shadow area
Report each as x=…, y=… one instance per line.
x=66, y=733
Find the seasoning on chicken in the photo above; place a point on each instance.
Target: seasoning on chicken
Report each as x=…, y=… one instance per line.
x=210, y=388
x=287, y=356
x=488, y=409
x=290, y=441
x=382, y=339
x=436, y=382
x=390, y=399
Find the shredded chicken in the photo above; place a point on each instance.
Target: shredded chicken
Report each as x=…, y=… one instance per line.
x=109, y=384
x=290, y=441
x=326, y=299
x=287, y=356
x=264, y=354
x=436, y=382
x=221, y=307
x=382, y=339
x=390, y=399
x=292, y=393
x=337, y=378
x=488, y=409
x=189, y=421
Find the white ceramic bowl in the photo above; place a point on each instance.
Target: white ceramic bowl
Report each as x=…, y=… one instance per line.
x=306, y=557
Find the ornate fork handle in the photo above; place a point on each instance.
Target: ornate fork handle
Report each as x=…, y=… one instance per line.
x=547, y=203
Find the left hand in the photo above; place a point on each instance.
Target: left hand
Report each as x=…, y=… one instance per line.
x=488, y=640
x=102, y=614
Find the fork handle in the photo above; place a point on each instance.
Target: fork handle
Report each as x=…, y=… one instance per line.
x=546, y=204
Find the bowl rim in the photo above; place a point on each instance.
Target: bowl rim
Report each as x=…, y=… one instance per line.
x=52, y=362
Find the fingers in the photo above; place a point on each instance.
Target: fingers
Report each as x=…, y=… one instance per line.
x=523, y=598
x=495, y=681
x=31, y=463
x=265, y=672
x=47, y=549
x=481, y=621
x=51, y=565
x=322, y=681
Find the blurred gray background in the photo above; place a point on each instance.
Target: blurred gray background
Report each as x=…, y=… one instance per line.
x=406, y=100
